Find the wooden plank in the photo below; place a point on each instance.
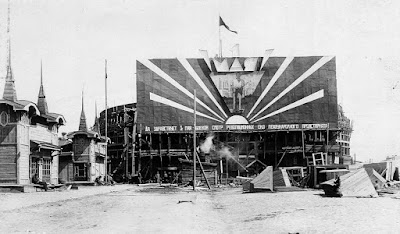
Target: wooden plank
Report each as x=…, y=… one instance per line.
x=356, y=184
x=264, y=180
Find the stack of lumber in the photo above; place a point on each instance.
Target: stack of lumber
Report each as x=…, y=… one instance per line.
x=268, y=180
x=263, y=181
x=353, y=184
x=186, y=171
x=281, y=178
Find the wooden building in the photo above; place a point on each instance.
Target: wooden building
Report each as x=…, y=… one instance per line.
x=274, y=111
x=83, y=155
x=28, y=136
x=28, y=133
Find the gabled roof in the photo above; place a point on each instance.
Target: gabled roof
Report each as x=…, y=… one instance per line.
x=44, y=145
x=63, y=142
x=54, y=118
x=88, y=133
x=21, y=105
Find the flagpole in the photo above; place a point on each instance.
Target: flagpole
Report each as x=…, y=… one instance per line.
x=194, y=142
x=219, y=35
x=106, y=165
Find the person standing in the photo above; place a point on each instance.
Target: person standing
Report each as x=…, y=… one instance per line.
x=237, y=92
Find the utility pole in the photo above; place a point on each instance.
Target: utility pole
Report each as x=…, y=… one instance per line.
x=105, y=124
x=126, y=142
x=194, y=141
x=134, y=140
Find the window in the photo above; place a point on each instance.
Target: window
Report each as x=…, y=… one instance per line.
x=79, y=170
x=46, y=167
x=4, y=118
x=34, y=167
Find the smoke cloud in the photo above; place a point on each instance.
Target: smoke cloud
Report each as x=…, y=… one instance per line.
x=206, y=146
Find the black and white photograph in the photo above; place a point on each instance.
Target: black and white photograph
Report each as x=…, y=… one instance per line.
x=199, y=116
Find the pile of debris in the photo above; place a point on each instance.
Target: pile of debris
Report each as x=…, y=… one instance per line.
x=269, y=180
x=364, y=182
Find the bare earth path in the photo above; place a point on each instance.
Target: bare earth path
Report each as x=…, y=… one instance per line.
x=151, y=209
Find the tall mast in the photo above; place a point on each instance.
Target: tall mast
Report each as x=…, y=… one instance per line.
x=105, y=125
x=9, y=89
x=219, y=35
x=194, y=141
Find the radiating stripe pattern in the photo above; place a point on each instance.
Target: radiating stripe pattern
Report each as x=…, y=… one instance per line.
x=169, y=79
x=165, y=101
x=304, y=76
x=305, y=100
x=215, y=109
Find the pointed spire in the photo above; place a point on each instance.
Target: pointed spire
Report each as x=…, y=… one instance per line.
x=82, y=123
x=42, y=103
x=96, y=125
x=9, y=88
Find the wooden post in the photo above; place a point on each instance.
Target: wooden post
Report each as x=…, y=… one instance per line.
x=264, y=144
x=151, y=155
x=140, y=149
x=105, y=125
x=226, y=169
x=221, y=167
x=126, y=142
x=276, y=149
x=169, y=148
x=202, y=170
x=159, y=148
x=303, y=144
x=134, y=142
x=194, y=141
x=327, y=145
x=215, y=177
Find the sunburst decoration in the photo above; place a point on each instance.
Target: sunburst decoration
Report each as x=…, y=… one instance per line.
x=251, y=116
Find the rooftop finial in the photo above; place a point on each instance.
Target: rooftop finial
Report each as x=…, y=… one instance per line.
x=82, y=122
x=41, y=73
x=9, y=36
x=9, y=89
x=42, y=103
x=96, y=125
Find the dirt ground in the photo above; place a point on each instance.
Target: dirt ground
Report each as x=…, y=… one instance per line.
x=155, y=209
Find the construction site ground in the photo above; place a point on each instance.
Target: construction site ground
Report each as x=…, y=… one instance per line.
x=153, y=208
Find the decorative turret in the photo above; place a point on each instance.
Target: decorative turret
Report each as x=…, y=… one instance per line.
x=96, y=125
x=82, y=123
x=42, y=103
x=9, y=87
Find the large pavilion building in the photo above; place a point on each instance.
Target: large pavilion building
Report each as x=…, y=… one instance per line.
x=260, y=111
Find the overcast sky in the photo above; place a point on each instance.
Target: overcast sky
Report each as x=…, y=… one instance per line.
x=73, y=38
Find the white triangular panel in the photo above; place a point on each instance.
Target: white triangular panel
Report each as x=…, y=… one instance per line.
x=266, y=57
x=204, y=54
x=236, y=67
x=250, y=64
x=221, y=66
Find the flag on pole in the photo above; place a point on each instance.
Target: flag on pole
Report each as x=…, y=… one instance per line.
x=222, y=23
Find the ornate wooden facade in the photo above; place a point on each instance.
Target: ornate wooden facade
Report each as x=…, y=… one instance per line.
x=83, y=156
x=28, y=138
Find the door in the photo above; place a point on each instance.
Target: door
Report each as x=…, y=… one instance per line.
x=8, y=164
x=80, y=172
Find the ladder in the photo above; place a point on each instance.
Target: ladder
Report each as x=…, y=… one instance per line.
x=318, y=158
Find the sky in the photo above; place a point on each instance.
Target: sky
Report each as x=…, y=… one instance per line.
x=73, y=38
